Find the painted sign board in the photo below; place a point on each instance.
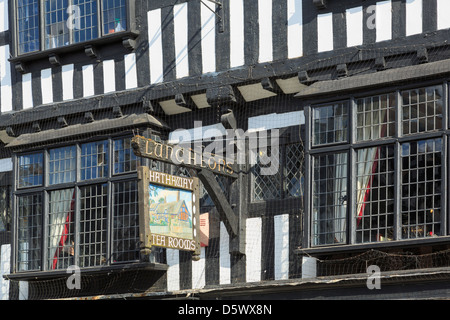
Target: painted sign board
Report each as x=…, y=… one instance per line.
x=168, y=210
x=182, y=156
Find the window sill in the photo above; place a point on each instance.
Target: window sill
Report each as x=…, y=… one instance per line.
x=116, y=268
x=126, y=37
x=353, y=248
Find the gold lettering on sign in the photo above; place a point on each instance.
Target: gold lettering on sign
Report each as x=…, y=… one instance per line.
x=149, y=148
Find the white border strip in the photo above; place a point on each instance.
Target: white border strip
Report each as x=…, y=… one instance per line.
x=354, y=19
x=325, y=32
x=180, y=21
x=294, y=28
x=67, y=81
x=130, y=71
x=27, y=91
x=253, y=249
x=281, y=250
x=208, y=22
x=46, y=86
x=155, y=46
x=236, y=33
x=383, y=21
x=414, y=17
x=88, y=80
x=265, y=30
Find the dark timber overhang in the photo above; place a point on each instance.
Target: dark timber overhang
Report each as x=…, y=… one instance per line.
x=403, y=284
x=263, y=80
x=78, y=130
x=426, y=71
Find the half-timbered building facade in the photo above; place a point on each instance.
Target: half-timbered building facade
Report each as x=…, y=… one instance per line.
x=342, y=107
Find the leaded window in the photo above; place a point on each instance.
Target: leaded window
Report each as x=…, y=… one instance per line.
x=375, y=117
x=330, y=123
x=330, y=199
x=28, y=25
x=277, y=170
x=114, y=16
x=56, y=29
x=422, y=109
x=73, y=210
x=124, y=158
x=394, y=162
x=29, y=232
x=87, y=21
x=125, y=222
x=5, y=208
x=293, y=170
x=266, y=186
x=375, y=193
x=66, y=22
x=62, y=165
x=61, y=229
x=93, y=225
x=94, y=160
x=421, y=188
x=30, y=170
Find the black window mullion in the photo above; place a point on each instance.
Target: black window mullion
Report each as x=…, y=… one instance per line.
x=282, y=167
x=45, y=210
x=71, y=30
x=398, y=115
x=45, y=224
x=100, y=18
x=42, y=24
x=110, y=200
x=444, y=186
x=398, y=192
x=352, y=203
x=76, y=227
x=14, y=214
x=445, y=111
x=109, y=224
x=309, y=169
x=352, y=121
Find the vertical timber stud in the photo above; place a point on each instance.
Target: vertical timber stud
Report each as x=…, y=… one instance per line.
x=196, y=218
x=144, y=223
x=232, y=211
x=238, y=194
x=238, y=190
x=231, y=215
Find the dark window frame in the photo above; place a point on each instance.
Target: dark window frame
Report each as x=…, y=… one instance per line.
x=346, y=124
x=129, y=32
x=354, y=145
x=111, y=180
x=284, y=203
x=6, y=182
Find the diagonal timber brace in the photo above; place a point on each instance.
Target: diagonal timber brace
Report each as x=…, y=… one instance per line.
x=230, y=216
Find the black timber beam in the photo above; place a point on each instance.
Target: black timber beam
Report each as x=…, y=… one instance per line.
x=216, y=193
x=271, y=85
x=232, y=217
x=429, y=70
x=238, y=76
x=185, y=101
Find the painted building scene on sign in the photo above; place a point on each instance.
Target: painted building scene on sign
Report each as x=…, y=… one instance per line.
x=170, y=211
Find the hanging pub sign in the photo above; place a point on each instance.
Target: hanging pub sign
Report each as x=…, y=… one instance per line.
x=168, y=211
x=182, y=156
